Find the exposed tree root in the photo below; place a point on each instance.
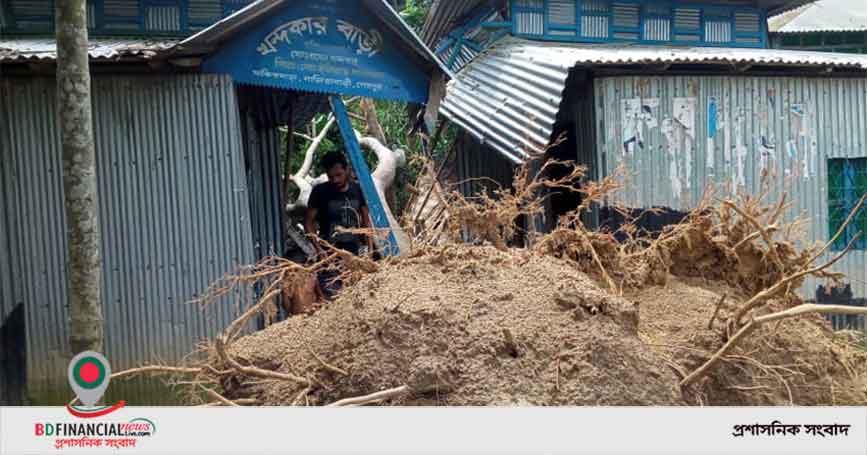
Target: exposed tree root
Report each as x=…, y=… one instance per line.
x=373, y=397
x=716, y=311
x=799, y=310
x=154, y=369
x=254, y=371
x=785, y=283
x=742, y=243
x=238, y=402
x=328, y=366
x=213, y=394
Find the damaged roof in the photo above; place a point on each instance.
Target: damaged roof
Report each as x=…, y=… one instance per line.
x=443, y=16
x=823, y=16
x=509, y=96
x=100, y=49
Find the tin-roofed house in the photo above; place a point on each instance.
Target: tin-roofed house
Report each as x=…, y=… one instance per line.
x=826, y=25
x=683, y=94
x=186, y=119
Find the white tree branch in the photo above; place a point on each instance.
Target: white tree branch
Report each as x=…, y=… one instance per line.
x=305, y=187
x=311, y=149
x=383, y=176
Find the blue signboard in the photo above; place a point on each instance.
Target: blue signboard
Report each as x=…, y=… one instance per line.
x=327, y=46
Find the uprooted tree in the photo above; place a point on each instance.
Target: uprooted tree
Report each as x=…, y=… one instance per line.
x=451, y=323
x=389, y=160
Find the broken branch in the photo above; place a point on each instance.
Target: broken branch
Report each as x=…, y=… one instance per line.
x=311, y=149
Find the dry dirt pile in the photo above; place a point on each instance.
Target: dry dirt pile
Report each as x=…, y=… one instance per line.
x=799, y=361
x=468, y=326
x=705, y=312
x=465, y=325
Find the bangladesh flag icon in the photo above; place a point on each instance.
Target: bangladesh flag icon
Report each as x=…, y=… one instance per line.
x=89, y=374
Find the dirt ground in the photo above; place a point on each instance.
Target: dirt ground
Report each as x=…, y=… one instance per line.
x=465, y=325
x=797, y=362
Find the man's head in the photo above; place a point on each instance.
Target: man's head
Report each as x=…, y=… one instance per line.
x=336, y=168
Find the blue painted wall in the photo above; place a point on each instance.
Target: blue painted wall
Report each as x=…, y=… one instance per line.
x=648, y=22
x=324, y=47
x=121, y=17
x=640, y=21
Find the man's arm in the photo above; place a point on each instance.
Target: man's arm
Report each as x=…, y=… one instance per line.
x=310, y=227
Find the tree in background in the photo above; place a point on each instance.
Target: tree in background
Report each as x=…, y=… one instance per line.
x=415, y=12
x=79, y=177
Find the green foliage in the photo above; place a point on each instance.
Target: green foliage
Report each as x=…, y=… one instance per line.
x=394, y=117
x=415, y=13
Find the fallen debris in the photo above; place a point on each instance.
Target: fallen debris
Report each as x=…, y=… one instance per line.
x=705, y=313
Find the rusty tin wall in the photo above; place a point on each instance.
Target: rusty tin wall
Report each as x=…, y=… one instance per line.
x=679, y=134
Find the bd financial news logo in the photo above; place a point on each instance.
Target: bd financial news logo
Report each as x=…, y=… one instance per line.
x=89, y=374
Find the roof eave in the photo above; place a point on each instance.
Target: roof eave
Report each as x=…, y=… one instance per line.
x=211, y=38
x=785, y=8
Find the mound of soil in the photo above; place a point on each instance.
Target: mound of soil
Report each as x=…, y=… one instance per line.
x=584, y=317
x=466, y=325
x=797, y=362
x=463, y=325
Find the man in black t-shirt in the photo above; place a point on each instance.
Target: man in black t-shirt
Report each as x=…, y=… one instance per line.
x=337, y=203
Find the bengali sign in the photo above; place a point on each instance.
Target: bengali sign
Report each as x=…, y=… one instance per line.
x=332, y=47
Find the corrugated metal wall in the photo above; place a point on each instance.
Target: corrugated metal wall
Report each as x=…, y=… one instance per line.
x=479, y=168
x=32, y=184
x=262, y=152
x=12, y=337
x=7, y=301
x=174, y=214
x=583, y=115
x=700, y=130
x=263, y=112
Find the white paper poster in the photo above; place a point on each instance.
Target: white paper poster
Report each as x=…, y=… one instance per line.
x=638, y=117
x=767, y=143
